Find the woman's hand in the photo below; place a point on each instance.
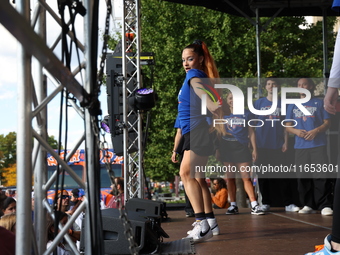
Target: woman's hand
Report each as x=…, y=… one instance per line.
x=213, y=107
x=173, y=157
x=254, y=155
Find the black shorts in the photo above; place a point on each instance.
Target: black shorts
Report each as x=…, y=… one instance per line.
x=199, y=140
x=234, y=152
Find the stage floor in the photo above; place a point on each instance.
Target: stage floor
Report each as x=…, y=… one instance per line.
x=278, y=232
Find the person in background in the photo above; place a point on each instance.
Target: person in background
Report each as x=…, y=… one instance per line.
x=74, y=198
x=220, y=198
x=234, y=152
x=63, y=202
x=10, y=193
x=7, y=240
x=310, y=148
x=9, y=206
x=117, y=199
x=9, y=221
x=62, y=218
x=272, y=143
x=63, y=206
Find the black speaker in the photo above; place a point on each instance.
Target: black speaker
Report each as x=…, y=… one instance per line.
x=148, y=208
x=115, y=241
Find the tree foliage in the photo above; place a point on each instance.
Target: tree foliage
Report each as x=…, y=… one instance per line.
x=7, y=149
x=8, y=157
x=10, y=174
x=53, y=142
x=166, y=28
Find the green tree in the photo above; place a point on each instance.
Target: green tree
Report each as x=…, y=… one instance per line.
x=52, y=142
x=8, y=153
x=166, y=28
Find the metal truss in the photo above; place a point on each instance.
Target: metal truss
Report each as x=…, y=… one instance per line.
x=133, y=163
x=33, y=101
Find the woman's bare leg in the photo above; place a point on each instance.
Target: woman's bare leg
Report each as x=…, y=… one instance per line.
x=197, y=194
x=206, y=195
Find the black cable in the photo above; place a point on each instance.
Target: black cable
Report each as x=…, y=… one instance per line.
x=94, y=202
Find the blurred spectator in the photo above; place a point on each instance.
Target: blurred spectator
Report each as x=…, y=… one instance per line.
x=63, y=202
x=117, y=198
x=9, y=221
x=220, y=199
x=311, y=149
x=62, y=218
x=9, y=206
x=63, y=205
x=74, y=198
x=7, y=240
x=10, y=193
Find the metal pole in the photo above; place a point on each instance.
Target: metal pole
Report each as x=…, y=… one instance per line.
x=92, y=234
x=133, y=174
x=124, y=95
x=24, y=144
x=258, y=53
x=40, y=171
x=139, y=82
x=325, y=49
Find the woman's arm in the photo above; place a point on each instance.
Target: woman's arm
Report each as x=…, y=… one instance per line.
x=176, y=142
x=196, y=84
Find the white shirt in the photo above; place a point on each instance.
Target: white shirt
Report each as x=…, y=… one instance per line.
x=60, y=251
x=334, y=77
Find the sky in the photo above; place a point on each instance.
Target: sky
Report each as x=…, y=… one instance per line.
x=8, y=80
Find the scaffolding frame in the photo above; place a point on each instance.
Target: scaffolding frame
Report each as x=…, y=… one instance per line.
x=133, y=163
x=30, y=31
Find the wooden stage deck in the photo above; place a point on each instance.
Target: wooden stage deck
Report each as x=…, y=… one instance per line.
x=276, y=233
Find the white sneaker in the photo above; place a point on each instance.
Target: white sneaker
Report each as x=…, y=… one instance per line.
x=200, y=232
x=265, y=208
x=327, y=211
x=214, y=226
x=306, y=209
x=256, y=210
x=292, y=208
x=326, y=250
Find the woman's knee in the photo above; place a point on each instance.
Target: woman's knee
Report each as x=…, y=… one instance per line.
x=185, y=175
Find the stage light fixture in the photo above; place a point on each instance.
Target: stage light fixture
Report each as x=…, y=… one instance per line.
x=105, y=124
x=143, y=99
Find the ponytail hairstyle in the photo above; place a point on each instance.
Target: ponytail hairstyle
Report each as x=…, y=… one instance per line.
x=210, y=69
x=208, y=64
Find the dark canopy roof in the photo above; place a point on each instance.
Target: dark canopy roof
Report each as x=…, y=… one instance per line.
x=267, y=8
